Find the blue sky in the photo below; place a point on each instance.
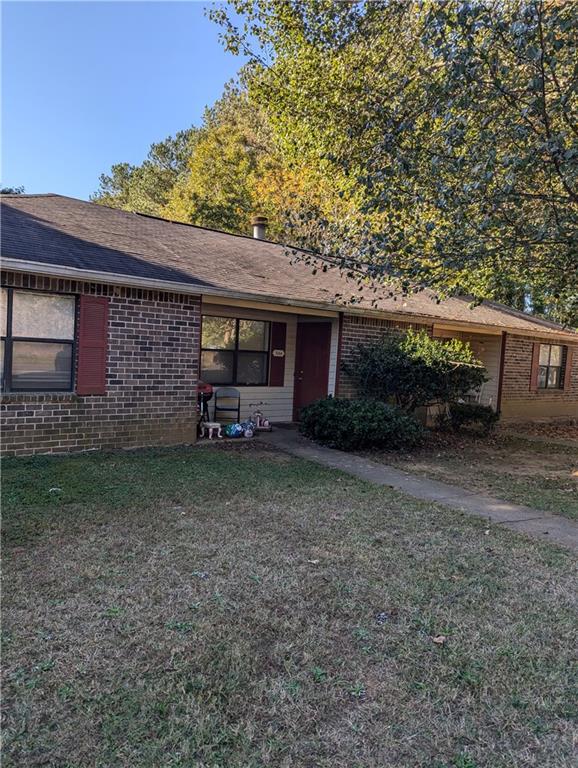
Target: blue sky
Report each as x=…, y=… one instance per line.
x=89, y=84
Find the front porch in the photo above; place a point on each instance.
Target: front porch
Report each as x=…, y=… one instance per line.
x=278, y=358
x=488, y=349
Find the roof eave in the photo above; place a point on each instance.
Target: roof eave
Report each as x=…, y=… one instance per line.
x=113, y=278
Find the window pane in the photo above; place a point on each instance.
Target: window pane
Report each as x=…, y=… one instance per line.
x=553, y=377
x=542, y=374
x=2, y=360
x=3, y=310
x=37, y=365
x=252, y=368
x=556, y=356
x=544, y=354
x=43, y=316
x=217, y=367
x=254, y=335
x=219, y=332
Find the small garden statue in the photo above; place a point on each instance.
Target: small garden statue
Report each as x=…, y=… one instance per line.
x=210, y=426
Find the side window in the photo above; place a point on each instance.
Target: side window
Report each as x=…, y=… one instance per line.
x=37, y=341
x=550, y=366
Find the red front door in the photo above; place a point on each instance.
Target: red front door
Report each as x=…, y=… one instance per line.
x=311, y=364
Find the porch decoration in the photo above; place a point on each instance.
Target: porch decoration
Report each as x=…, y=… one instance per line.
x=210, y=427
x=248, y=429
x=262, y=424
x=256, y=417
x=234, y=430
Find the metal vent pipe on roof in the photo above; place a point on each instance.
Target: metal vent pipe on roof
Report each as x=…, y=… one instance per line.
x=259, y=227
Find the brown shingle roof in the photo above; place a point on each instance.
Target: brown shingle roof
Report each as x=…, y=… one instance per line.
x=62, y=231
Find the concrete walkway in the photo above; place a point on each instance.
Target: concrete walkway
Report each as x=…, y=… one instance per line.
x=542, y=525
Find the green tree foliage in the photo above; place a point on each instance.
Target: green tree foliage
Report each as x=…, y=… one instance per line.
x=415, y=370
x=12, y=191
x=233, y=149
x=454, y=121
x=220, y=174
x=146, y=188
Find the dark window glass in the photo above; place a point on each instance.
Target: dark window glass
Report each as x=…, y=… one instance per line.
x=28, y=362
x=553, y=377
x=253, y=335
x=217, y=367
x=41, y=365
x=219, y=333
x=252, y=368
x=235, y=351
x=550, y=371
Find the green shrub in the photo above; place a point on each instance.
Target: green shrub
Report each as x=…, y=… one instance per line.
x=462, y=414
x=359, y=424
x=415, y=370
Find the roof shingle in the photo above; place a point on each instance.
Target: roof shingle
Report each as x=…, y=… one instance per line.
x=62, y=231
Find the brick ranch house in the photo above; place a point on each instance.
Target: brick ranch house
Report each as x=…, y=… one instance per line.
x=109, y=318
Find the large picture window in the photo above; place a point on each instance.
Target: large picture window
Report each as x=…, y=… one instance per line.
x=550, y=370
x=234, y=351
x=37, y=341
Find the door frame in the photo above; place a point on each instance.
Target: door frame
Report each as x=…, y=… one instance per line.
x=303, y=325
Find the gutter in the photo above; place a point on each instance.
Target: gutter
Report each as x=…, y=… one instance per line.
x=196, y=289
x=173, y=286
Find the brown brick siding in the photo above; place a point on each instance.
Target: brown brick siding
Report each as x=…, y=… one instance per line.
x=152, y=372
x=518, y=402
x=358, y=330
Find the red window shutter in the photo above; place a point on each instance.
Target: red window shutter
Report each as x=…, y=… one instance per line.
x=92, y=345
x=568, y=369
x=535, y=367
x=278, y=345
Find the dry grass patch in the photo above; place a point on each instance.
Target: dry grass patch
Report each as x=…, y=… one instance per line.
x=557, y=430
x=538, y=475
x=225, y=608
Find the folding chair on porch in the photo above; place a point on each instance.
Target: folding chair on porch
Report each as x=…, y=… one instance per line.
x=227, y=400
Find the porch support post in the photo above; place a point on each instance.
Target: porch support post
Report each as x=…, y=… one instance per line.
x=501, y=374
x=338, y=359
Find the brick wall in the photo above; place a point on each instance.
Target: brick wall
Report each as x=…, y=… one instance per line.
x=518, y=402
x=152, y=370
x=357, y=330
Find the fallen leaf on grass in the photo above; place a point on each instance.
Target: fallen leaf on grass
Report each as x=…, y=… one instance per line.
x=439, y=639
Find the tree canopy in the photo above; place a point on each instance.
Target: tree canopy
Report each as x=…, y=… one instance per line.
x=456, y=121
x=219, y=174
x=429, y=143
x=146, y=188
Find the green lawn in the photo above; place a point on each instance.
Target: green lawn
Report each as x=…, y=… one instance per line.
x=238, y=608
x=539, y=475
